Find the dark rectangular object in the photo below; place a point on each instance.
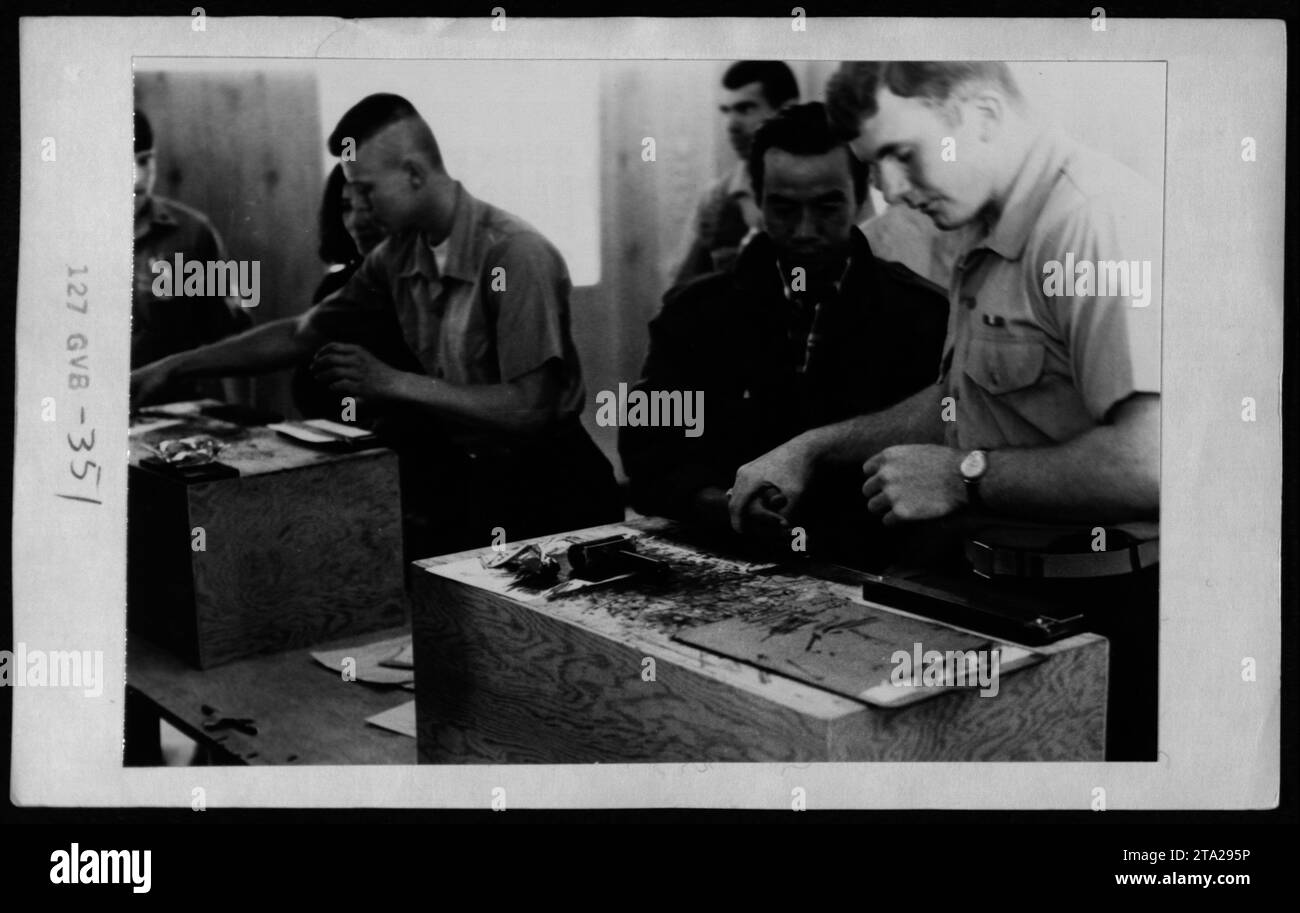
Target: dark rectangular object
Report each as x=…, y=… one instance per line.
x=993, y=614
x=191, y=472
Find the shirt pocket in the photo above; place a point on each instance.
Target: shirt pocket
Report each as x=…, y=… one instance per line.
x=1004, y=364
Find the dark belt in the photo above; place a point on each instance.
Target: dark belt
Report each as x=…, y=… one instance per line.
x=1001, y=561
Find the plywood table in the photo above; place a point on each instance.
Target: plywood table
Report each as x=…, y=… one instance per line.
x=508, y=680
x=303, y=712
x=304, y=545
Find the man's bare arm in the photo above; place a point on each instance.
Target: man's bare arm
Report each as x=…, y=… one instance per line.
x=790, y=467
x=526, y=404
x=1109, y=474
x=271, y=346
x=915, y=420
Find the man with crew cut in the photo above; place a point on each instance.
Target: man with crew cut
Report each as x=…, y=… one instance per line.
x=1039, y=443
x=727, y=213
x=489, y=429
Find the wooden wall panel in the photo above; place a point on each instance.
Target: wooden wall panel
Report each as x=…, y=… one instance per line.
x=645, y=210
x=244, y=148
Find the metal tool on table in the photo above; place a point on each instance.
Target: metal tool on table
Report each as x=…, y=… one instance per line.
x=612, y=556
x=980, y=608
x=192, y=459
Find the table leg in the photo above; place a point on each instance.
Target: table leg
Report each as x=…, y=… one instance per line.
x=143, y=744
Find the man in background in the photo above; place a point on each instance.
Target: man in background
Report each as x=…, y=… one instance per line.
x=753, y=90
x=808, y=328
x=164, y=325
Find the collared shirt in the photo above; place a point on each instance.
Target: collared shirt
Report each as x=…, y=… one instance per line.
x=726, y=217
x=908, y=236
x=497, y=309
x=1035, y=363
x=809, y=307
x=1032, y=365
x=161, y=326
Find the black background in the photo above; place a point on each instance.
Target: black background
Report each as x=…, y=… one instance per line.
x=457, y=858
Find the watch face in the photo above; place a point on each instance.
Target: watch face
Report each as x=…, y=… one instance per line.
x=973, y=466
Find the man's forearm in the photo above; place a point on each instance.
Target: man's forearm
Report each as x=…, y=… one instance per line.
x=1110, y=474
x=273, y=345
x=498, y=407
x=915, y=420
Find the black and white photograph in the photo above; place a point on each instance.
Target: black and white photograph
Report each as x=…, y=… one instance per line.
x=660, y=411
x=522, y=413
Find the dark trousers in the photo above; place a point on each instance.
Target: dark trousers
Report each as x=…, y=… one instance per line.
x=1124, y=609
x=457, y=497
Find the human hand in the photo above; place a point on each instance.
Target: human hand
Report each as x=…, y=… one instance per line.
x=148, y=381
x=768, y=490
x=353, y=370
x=914, y=482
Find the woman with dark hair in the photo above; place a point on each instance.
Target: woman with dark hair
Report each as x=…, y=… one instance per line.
x=347, y=234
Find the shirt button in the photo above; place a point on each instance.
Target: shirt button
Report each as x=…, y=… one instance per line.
x=969, y=301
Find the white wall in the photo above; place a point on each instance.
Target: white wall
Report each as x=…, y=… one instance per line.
x=522, y=135
x=1113, y=107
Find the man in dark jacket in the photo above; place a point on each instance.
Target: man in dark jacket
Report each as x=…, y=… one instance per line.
x=809, y=328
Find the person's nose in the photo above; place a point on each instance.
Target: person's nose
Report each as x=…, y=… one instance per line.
x=807, y=227
x=894, y=185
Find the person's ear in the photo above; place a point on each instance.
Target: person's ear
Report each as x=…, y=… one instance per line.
x=989, y=110
x=415, y=172
x=951, y=113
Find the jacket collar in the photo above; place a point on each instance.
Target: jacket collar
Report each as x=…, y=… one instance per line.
x=757, y=269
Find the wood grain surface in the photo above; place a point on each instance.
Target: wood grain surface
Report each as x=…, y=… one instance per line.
x=1054, y=711
x=501, y=681
x=303, y=712
x=293, y=557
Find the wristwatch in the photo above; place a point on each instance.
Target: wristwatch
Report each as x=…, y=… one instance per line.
x=973, y=467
